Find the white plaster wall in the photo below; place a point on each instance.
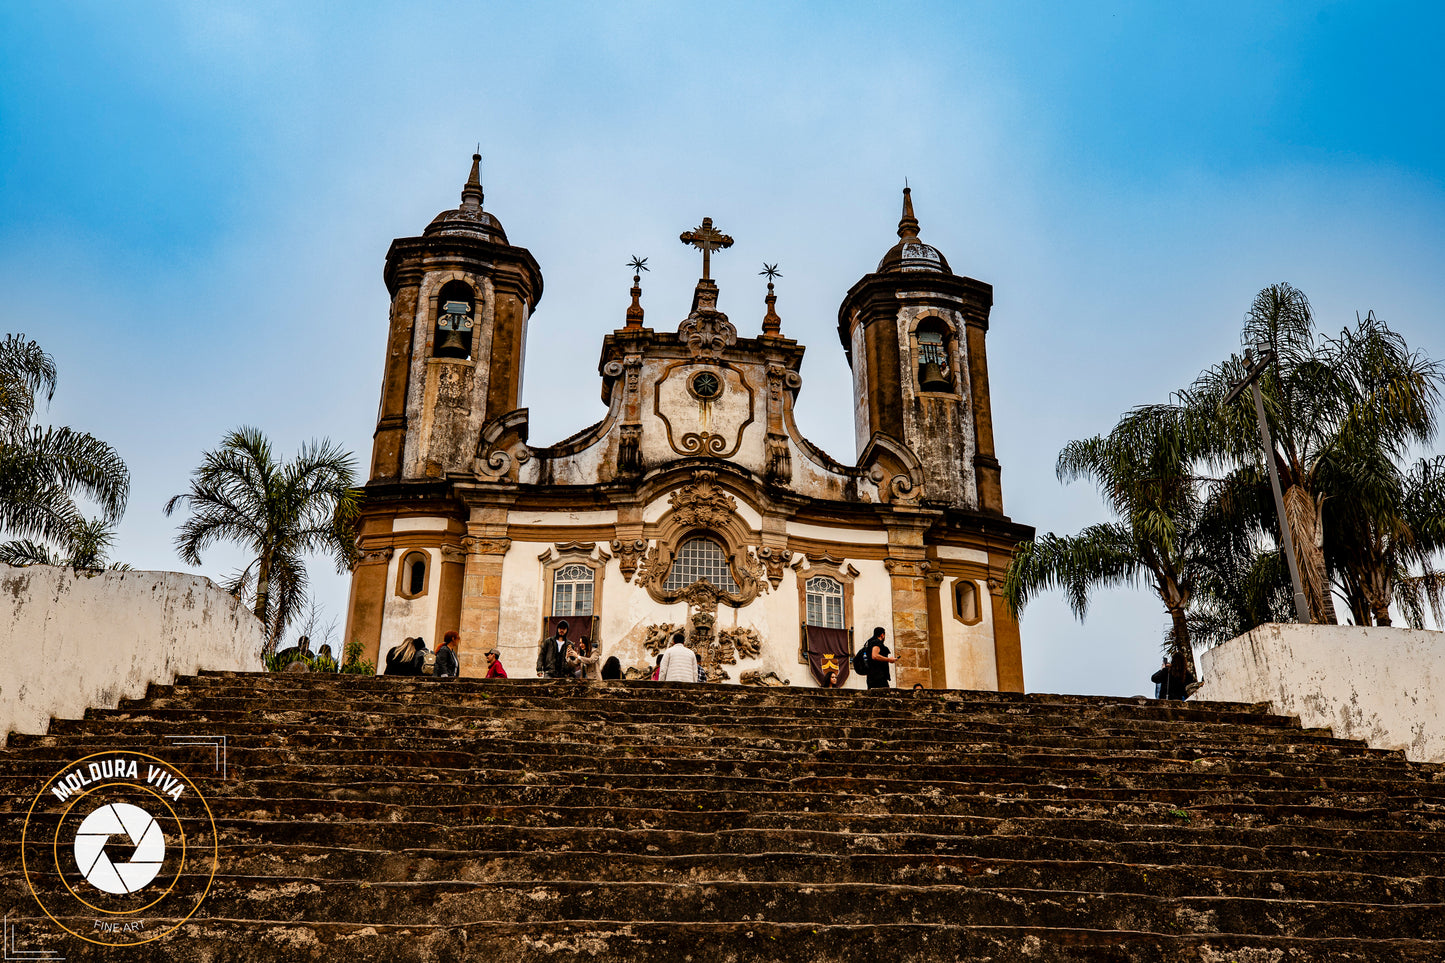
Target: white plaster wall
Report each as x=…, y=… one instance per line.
x=1383, y=685
x=520, y=619
x=74, y=641
x=969, y=660
x=403, y=617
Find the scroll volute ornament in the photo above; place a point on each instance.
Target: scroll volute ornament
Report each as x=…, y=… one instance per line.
x=629, y=552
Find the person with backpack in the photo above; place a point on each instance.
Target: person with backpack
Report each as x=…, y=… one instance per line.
x=406, y=658
x=448, y=666
x=876, y=657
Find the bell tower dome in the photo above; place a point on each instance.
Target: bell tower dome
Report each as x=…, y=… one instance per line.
x=460, y=299
x=914, y=332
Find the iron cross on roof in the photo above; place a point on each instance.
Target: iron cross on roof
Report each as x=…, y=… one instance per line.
x=706, y=239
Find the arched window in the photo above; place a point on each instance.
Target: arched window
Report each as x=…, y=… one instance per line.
x=965, y=602
x=412, y=576
x=700, y=558
x=572, y=591
x=825, y=602
x=456, y=305
x=934, y=371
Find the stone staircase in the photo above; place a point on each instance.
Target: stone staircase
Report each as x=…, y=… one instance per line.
x=411, y=820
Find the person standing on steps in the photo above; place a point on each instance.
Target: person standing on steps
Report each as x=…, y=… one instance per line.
x=494, y=665
x=552, y=657
x=1158, y=682
x=879, y=659
x=405, y=659
x=584, y=661
x=1175, y=677
x=678, y=663
x=611, y=669
x=448, y=666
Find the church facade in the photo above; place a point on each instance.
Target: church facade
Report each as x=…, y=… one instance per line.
x=695, y=503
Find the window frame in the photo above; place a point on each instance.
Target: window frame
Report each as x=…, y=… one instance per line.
x=403, y=573
x=837, y=569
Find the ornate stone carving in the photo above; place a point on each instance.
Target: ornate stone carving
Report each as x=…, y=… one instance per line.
x=707, y=333
x=453, y=553
x=702, y=502
x=629, y=450
x=474, y=545
x=629, y=554
x=740, y=643
x=652, y=568
x=774, y=560
x=501, y=462
x=906, y=567
x=376, y=555
x=658, y=637
x=779, y=464
x=754, y=677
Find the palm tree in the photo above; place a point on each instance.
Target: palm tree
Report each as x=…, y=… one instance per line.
x=1343, y=412
x=1163, y=535
x=86, y=549
x=278, y=511
x=43, y=470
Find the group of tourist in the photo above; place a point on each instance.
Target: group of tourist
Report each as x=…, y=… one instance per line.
x=412, y=657
x=560, y=658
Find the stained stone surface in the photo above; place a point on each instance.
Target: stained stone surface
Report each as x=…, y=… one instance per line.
x=412, y=820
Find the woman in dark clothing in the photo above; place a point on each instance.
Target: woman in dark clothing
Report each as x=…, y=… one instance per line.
x=878, y=660
x=1176, y=678
x=611, y=669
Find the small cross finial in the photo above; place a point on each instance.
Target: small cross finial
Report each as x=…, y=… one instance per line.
x=634, y=311
x=772, y=324
x=707, y=239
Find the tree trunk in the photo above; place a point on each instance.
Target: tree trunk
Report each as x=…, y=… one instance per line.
x=1181, y=641
x=1306, y=527
x=263, y=589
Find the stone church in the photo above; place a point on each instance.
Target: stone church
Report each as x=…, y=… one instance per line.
x=695, y=503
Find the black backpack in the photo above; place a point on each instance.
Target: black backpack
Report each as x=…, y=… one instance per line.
x=861, y=660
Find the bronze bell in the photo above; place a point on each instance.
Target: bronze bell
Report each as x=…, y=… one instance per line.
x=454, y=331
x=932, y=378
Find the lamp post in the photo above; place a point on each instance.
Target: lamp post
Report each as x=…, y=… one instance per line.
x=1253, y=369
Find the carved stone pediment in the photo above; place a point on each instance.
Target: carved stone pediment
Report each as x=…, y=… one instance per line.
x=702, y=503
x=707, y=333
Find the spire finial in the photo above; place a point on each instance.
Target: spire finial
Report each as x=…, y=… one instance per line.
x=634, y=312
x=472, y=193
x=772, y=324
x=907, y=224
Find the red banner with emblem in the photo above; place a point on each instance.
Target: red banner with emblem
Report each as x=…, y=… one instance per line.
x=829, y=651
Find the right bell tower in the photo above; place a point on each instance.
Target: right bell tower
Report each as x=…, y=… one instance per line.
x=914, y=335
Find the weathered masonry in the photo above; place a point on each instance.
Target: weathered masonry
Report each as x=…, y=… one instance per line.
x=694, y=503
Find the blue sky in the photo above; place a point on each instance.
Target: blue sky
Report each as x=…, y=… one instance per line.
x=196, y=199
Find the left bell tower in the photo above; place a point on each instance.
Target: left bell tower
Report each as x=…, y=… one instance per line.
x=460, y=300
x=461, y=296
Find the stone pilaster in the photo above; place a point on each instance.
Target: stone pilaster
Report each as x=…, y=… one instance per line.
x=1007, y=646
x=911, y=644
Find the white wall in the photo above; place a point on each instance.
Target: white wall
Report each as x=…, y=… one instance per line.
x=1383, y=685
x=73, y=641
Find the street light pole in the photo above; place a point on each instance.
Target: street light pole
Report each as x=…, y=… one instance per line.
x=1253, y=369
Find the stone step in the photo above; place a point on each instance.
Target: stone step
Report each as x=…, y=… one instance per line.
x=982, y=797
x=453, y=902
x=1159, y=880
x=865, y=709
x=268, y=939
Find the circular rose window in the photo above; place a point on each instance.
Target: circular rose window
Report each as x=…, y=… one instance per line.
x=706, y=385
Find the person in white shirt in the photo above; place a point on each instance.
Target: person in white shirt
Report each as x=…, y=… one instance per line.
x=678, y=662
